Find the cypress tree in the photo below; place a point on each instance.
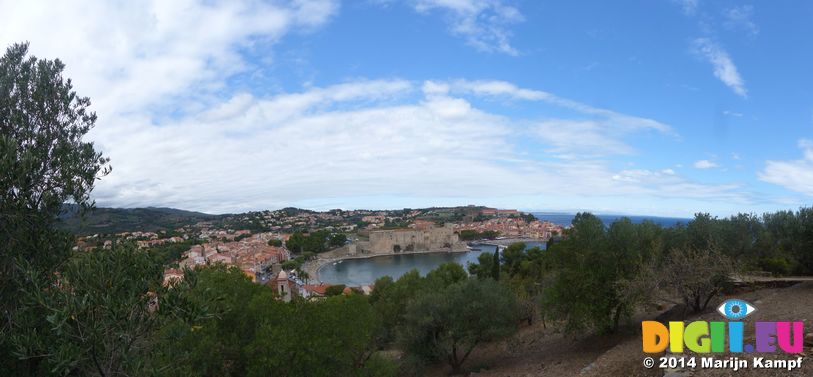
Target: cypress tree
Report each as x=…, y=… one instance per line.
x=495, y=267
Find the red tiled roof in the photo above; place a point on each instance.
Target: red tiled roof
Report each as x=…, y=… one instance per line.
x=317, y=289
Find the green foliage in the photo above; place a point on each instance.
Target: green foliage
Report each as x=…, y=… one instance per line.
x=44, y=163
x=390, y=298
x=117, y=220
x=471, y=235
x=275, y=243
x=777, y=265
x=588, y=266
x=171, y=252
x=242, y=237
x=696, y=275
x=97, y=314
x=483, y=269
x=252, y=334
x=512, y=257
x=315, y=242
x=294, y=340
x=212, y=345
x=447, y=324
x=296, y=242
x=338, y=239
x=775, y=242
x=495, y=265
x=395, y=224
x=446, y=274
x=598, y=275
x=291, y=265
x=335, y=290
x=44, y=160
x=394, y=300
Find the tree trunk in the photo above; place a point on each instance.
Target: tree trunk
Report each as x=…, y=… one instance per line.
x=696, y=304
x=708, y=299
x=453, y=360
x=616, y=318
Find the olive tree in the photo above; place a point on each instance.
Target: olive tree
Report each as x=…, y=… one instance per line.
x=696, y=276
x=44, y=163
x=100, y=313
x=446, y=325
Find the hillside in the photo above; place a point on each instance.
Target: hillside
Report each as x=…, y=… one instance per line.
x=537, y=351
x=114, y=220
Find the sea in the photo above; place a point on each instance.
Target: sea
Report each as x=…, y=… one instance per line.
x=566, y=219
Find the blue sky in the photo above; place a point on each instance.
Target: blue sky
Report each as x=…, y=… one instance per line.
x=658, y=107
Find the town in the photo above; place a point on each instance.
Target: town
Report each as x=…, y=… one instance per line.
x=260, y=245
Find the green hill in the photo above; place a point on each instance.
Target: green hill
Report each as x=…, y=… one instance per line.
x=114, y=220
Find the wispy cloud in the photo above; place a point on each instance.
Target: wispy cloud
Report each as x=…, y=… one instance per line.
x=724, y=68
x=741, y=18
x=600, y=131
x=492, y=88
x=581, y=138
x=689, y=6
x=485, y=24
x=705, y=164
x=795, y=175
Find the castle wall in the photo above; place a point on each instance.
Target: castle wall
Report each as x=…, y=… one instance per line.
x=408, y=240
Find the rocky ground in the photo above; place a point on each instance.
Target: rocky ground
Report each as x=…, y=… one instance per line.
x=537, y=351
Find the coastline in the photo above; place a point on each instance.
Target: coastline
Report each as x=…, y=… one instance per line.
x=312, y=267
x=507, y=241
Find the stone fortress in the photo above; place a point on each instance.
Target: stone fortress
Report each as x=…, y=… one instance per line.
x=421, y=238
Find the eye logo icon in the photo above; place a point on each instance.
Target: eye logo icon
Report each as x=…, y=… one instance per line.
x=735, y=309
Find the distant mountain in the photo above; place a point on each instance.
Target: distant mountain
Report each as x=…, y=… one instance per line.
x=115, y=220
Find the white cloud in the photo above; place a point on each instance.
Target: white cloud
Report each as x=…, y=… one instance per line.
x=689, y=6
x=134, y=55
x=594, y=132
x=705, y=164
x=741, y=18
x=580, y=138
x=795, y=175
x=352, y=143
x=732, y=113
x=490, y=88
x=724, y=68
x=483, y=23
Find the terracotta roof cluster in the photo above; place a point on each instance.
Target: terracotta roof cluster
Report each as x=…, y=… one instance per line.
x=251, y=254
x=514, y=227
